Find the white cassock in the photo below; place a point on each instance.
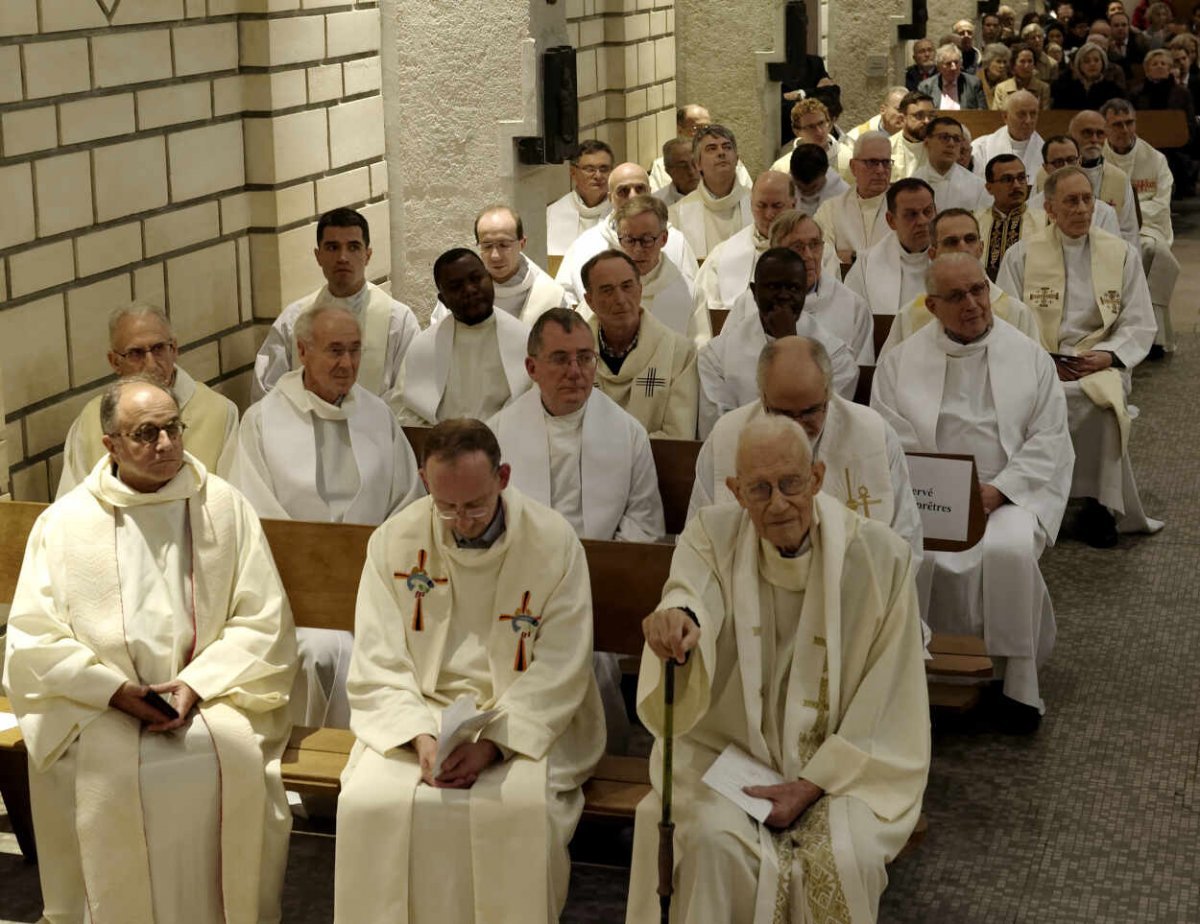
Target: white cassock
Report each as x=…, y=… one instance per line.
x=117, y=586
x=997, y=399
x=604, y=237
x=888, y=276
x=706, y=220
x=667, y=294
x=957, y=188
x=660, y=178
x=812, y=665
x=728, y=364
x=1090, y=294
x=510, y=627
x=302, y=458
x=985, y=147
x=1152, y=182
x=656, y=382
x=388, y=328
x=528, y=294
x=669, y=194
x=1112, y=185
x=727, y=271
x=907, y=156
x=569, y=217
x=211, y=420
x=915, y=315
x=851, y=223
x=462, y=370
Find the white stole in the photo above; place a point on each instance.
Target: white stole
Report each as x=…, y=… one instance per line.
x=375, y=319
x=884, y=276
x=738, y=256
x=691, y=217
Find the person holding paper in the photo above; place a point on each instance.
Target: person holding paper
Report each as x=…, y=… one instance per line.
x=794, y=624
x=474, y=591
x=973, y=384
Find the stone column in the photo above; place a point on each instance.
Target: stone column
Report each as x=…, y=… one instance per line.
x=460, y=81
x=863, y=33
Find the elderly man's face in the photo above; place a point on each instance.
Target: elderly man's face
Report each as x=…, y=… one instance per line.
x=466, y=289
x=682, y=169
x=627, y=181
x=589, y=175
x=916, y=119
x=965, y=32
x=343, y=256
x=811, y=128
x=330, y=360
x=956, y=234
x=961, y=300
x=910, y=221
x=143, y=344
x=643, y=237
x=1090, y=133
x=807, y=241
x=891, y=120
x=146, y=453
x=614, y=293
x=465, y=491
x=872, y=168
x=768, y=198
x=696, y=117
x=950, y=67
x=1021, y=117
x=923, y=53
x=775, y=485
x=1122, y=131
x=564, y=369
x=499, y=245
x=779, y=287
x=1009, y=185
x=1072, y=205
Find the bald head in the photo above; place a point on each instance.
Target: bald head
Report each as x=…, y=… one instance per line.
x=772, y=431
x=771, y=194
x=795, y=379
x=690, y=118
x=1021, y=115
x=626, y=181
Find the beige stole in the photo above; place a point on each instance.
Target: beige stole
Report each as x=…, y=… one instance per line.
x=1113, y=185
x=376, y=319
x=1044, y=292
x=642, y=386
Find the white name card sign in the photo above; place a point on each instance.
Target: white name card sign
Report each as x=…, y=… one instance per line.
x=942, y=490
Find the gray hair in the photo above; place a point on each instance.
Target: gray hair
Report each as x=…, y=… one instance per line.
x=771, y=427
x=788, y=221
x=136, y=310
x=304, y=324
x=112, y=397
x=566, y=318
x=946, y=52
x=896, y=91
x=1086, y=49
x=676, y=143
x=870, y=136
x=996, y=52
x=712, y=130
x=1118, y=106
x=947, y=261
x=1052, y=181
x=816, y=352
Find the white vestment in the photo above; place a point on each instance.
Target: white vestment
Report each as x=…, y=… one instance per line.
x=957, y=188
x=388, y=328
x=727, y=271
x=853, y=224
x=706, y=219
x=888, y=276
x=669, y=194
x=1104, y=216
x=460, y=370
x=1104, y=177
x=840, y=310
x=728, y=364
x=568, y=217
x=834, y=186
x=811, y=665
x=660, y=178
x=907, y=156
x=667, y=294
x=117, y=586
x=915, y=315
x=604, y=237
x=985, y=147
x=528, y=294
x=999, y=400
x=510, y=627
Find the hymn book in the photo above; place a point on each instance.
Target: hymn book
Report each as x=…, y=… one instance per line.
x=735, y=769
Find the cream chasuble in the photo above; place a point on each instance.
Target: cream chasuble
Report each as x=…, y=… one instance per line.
x=604, y=237
x=528, y=294
x=907, y=156
x=568, y=217
x=852, y=720
x=727, y=271
x=706, y=219
x=1150, y=175
x=667, y=295
x=985, y=147
x=852, y=224
x=957, y=188
x=888, y=276
x=659, y=177
x=915, y=315
x=107, y=811
x=511, y=626
x=657, y=383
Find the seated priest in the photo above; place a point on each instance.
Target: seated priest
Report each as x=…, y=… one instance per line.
x=801, y=622
x=627, y=181
x=728, y=363
x=1093, y=308
x=682, y=175
x=521, y=287
x=972, y=384
x=645, y=367
x=1010, y=217
x=472, y=362
x=1063, y=151
x=892, y=273
x=320, y=447
x=908, y=149
x=141, y=342
x=954, y=186
x=857, y=219
x=816, y=179
x=150, y=655
x=727, y=271
x=1109, y=182
x=957, y=231
x=479, y=592
x=688, y=119
x=343, y=252
x=1018, y=136
x=720, y=206
x=811, y=124
x=586, y=203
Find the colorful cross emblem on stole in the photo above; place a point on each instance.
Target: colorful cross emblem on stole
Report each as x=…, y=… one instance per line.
x=420, y=583
x=864, y=499
x=524, y=623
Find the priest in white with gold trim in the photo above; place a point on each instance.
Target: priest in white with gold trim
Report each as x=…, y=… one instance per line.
x=343, y=252
x=954, y=186
x=587, y=201
x=720, y=206
x=970, y=383
x=857, y=219
x=153, y=575
x=476, y=591
x=141, y=341
x=648, y=369
x=1093, y=308
x=469, y=364
x=805, y=653
x=1018, y=136
x=322, y=448
x=892, y=273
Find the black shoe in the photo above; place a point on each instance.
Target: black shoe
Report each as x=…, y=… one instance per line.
x=1015, y=718
x=1097, y=526
x=1156, y=352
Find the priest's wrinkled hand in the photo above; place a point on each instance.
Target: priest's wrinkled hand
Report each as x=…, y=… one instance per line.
x=462, y=768
x=1093, y=361
x=179, y=695
x=671, y=633
x=1067, y=369
x=131, y=699
x=992, y=497
x=426, y=748
x=788, y=800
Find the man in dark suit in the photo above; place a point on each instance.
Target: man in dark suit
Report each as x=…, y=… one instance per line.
x=950, y=88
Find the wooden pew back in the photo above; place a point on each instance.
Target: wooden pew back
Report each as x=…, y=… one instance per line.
x=675, y=464
x=1158, y=128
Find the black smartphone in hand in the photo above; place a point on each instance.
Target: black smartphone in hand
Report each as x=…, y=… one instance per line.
x=161, y=704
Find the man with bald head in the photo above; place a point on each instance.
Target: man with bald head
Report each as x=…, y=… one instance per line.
x=801, y=621
x=972, y=384
x=681, y=171
x=586, y=203
x=1109, y=183
x=892, y=273
x=888, y=120
x=1018, y=135
x=720, y=206
x=688, y=119
x=857, y=219
x=141, y=342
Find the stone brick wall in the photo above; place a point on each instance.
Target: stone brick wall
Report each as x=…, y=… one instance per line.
x=176, y=152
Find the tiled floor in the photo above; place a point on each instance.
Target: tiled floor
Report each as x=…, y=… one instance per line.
x=1096, y=818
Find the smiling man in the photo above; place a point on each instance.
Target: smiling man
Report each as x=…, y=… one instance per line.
x=720, y=206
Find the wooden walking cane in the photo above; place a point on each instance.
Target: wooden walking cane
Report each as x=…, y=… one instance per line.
x=666, y=827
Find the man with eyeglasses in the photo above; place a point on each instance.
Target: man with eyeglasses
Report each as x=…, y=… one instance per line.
x=681, y=172
x=892, y=273
x=140, y=341
x=972, y=384
x=322, y=448
x=1010, y=218
x=471, y=363
x=343, y=253
x=648, y=369
x=954, y=187
x=728, y=363
x=586, y=203
x=1089, y=292
x=908, y=149
x=1018, y=135
x=1110, y=183
x=688, y=119
x=802, y=626
x=812, y=125
x=1063, y=151
x=477, y=591
x=720, y=206
x=150, y=655
x=857, y=219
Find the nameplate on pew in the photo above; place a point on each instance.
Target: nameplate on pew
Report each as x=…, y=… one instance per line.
x=941, y=486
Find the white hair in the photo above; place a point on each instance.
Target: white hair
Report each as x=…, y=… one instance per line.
x=870, y=136
x=135, y=310
x=304, y=324
x=772, y=427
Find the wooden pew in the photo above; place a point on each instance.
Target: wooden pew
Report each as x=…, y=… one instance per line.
x=862, y=391
x=1158, y=128
x=553, y=263
x=675, y=463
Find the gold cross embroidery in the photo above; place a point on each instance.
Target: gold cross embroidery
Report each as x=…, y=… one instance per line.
x=1043, y=297
x=864, y=499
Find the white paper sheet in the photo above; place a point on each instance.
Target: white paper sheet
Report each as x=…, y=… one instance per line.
x=461, y=721
x=735, y=769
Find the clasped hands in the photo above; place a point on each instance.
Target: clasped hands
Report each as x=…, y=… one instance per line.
x=130, y=698
x=462, y=768
x=1073, y=368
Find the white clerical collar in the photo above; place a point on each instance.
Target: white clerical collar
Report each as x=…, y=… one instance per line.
x=1074, y=243
x=1018, y=146
x=588, y=211
x=322, y=408
x=105, y=484
x=761, y=243
x=355, y=303
x=920, y=258
x=952, y=347
x=568, y=422
x=719, y=203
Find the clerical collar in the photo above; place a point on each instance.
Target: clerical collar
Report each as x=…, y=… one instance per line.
x=517, y=277
x=912, y=256
x=1017, y=211
x=1091, y=165
x=955, y=346
x=796, y=553
x=713, y=201
x=352, y=303
x=609, y=352
x=572, y=420
x=589, y=211
x=488, y=537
